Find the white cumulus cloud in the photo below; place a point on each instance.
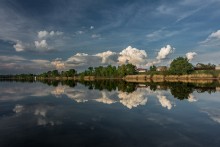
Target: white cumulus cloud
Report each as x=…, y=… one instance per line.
x=161, y=56
x=58, y=63
x=215, y=34
x=81, y=54
x=78, y=58
x=132, y=55
x=164, y=52
x=44, y=34
x=41, y=44
x=19, y=47
x=153, y=62
x=83, y=61
x=190, y=55
x=57, y=33
x=108, y=57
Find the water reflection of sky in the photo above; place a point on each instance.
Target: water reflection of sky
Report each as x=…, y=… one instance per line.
x=142, y=117
x=83, y=94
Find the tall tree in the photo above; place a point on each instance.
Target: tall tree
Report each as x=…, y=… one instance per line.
x=71, y=72
x=153, y=68
x=180, y=66
x=55, y=73
x=130, y=69
x=90, y=70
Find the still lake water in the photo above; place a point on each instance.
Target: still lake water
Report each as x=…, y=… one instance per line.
x=108, y=114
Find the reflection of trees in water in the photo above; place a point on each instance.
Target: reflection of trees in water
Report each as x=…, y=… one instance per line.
x=18, y=80
x=70, y=83
x=181, y=90
x=206, y=89
x=54, y=83
x=101, y=84
x=178, y=90
x=127, y=87
x=157, y=86
x=110, y=85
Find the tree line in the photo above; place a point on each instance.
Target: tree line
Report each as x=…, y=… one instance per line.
x=56, y=73
x=179, y=90
x=182, y=66
x=178, y=66
x=110, y=71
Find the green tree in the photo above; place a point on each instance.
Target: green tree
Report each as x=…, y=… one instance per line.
x=130, y=69
x=55, y=73
x=180, y=66
x=71, y=72
x=153, y=68
x=121, y=70
x=90, y=71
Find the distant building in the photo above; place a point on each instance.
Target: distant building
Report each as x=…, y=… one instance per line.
x=200, y=66
x=161, y=68
x=141, y=70
x=217, y=67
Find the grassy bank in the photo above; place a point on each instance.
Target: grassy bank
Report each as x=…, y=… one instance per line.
x=191, y=78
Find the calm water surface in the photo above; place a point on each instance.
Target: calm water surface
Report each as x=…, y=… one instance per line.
x=108, y=114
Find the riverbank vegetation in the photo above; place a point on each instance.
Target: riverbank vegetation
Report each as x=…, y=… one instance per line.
x=180, y=68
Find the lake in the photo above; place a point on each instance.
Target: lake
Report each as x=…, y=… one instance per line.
x=109, y=113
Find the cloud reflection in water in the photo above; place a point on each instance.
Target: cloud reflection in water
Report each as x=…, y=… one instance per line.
x=164, y=102
x=133, y=99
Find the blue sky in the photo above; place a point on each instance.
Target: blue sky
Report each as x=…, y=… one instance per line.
x=42, y=35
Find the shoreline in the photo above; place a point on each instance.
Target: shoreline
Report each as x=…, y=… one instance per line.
x=191, y=78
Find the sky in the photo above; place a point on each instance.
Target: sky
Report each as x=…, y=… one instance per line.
x=41, y=35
